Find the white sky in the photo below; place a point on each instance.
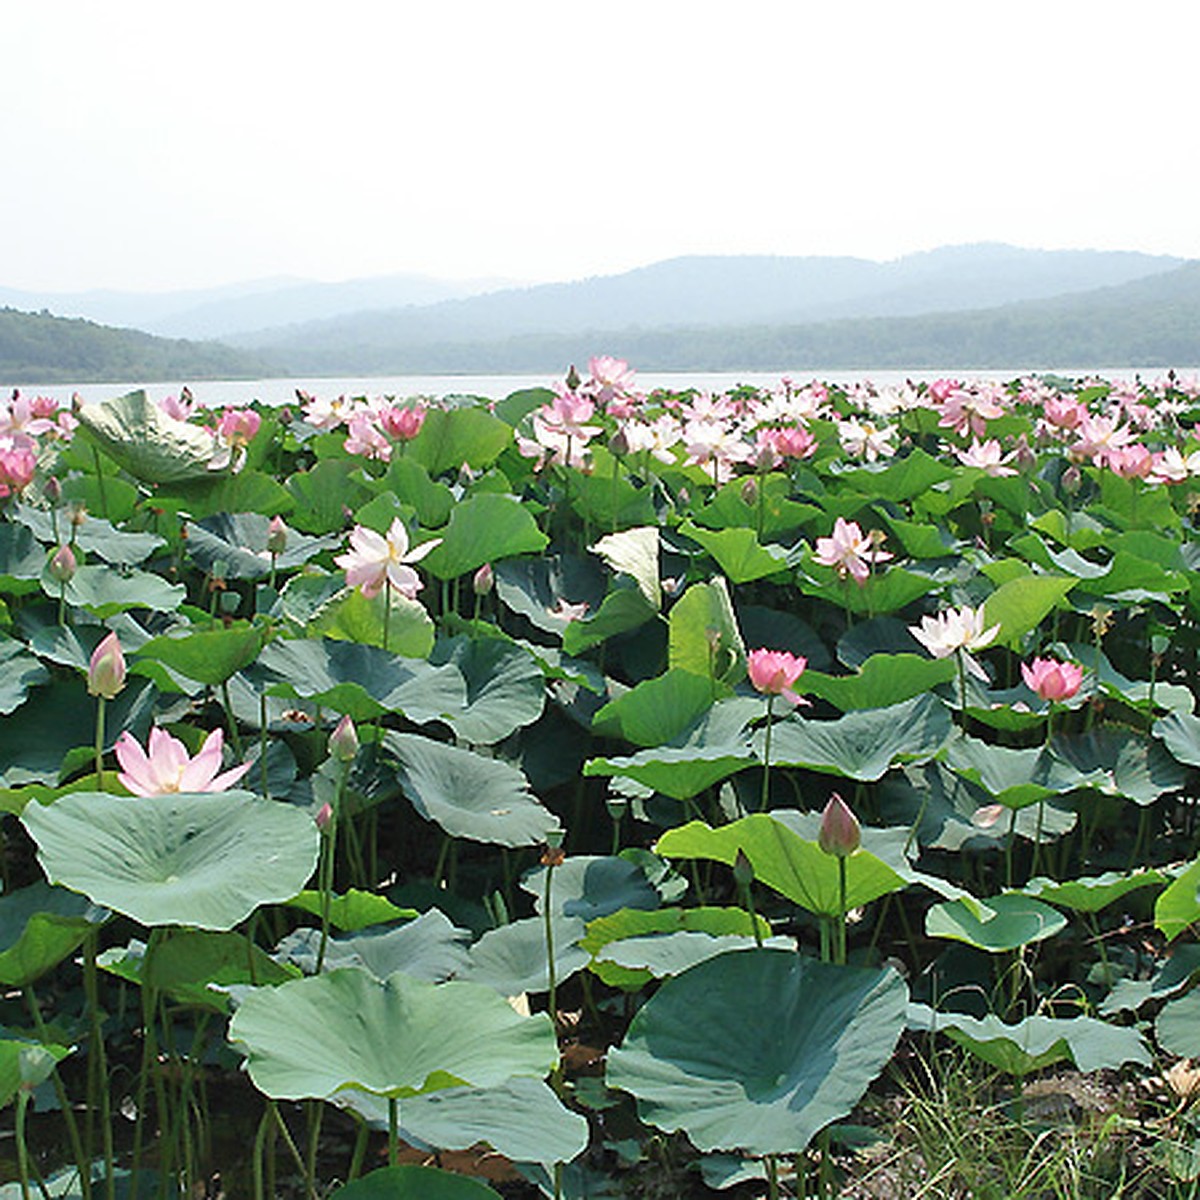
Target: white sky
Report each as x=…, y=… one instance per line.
x=160, y=145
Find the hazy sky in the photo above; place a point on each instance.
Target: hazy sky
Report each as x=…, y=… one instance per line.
x=165, y=145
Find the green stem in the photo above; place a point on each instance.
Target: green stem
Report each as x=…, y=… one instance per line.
x=552, y=1000
x=100, y=483
x=100, y=742
x=766, y=775
x=316, y=1110
x=234, y=736
x=841, y=942
x=22, y=1147
x=262, y=744
x=387, y=610
x=99, y=1101
x=1008, y=847
x=962, y=691
x=393, y=1131
x=360, y=1150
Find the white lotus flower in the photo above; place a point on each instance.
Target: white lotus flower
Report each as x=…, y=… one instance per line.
x=954, y=630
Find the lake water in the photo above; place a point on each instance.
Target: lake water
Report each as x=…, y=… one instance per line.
x=223, y=393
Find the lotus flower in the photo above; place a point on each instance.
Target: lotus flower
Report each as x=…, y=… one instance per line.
x=1052, y=680
x=167, y=767
x=375, y=559
x=850, y=551
x=953, y=630
x=774, y=672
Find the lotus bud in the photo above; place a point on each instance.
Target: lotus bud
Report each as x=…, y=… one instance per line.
x=52, y=489
x=750, y=491
x=276, y=536
x=484, y=580
x=324, y=815
x=343, y=741
x=840, y=834
x=619, y=443
x=106, y=670
x=743, y=870
x=573, y=380
x=63, y=565
x=1072, y=478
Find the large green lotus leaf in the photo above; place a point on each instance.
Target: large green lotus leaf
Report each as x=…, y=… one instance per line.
x=39, y=926
x=483, y=529
x=239, y=541
x=901, y=478
x=394, y=1037
x=1091, y=893
x=26, y=1064
x=143, y=440
x=428, y=948
x=606, y=498
x=363, y=681
x=353, y=911
x=207, y=655
x=56, y=719
x=106, y=591
x=794, y=866
x=997, y=924
x=862, y=745
x=22, y=559
x=351, y=617
x=739, y=554
x=1020, y=605
x=590, y=886
x=451, y=437
x=701, y=616
x=19, y=671
x=680, y=772
x=775, y=630
x=779, y=513
x=634, y=552
x=1037, y=1042
x=920, y=540
x=248, y=491
x=1180, y=733
x=196, y=966
x=665, y=954
x=657, y=710
x=521, y=1119
x=1131, y=577
x=888, y=592
x=504, y=688
x=1140, y=693
x=1172, y=977
x=1017, y=777
x=1177, y=1026
x=632, y=923
x=698, y=1061
x=323, y=495
x=1178, y=907
x=1129, y=763
x=535, y=587
x=199, y=859
x=622, y=610
x=468, y=795
x=410, y=484
x=512, y=959
x=413, y=1183
x=881, y=681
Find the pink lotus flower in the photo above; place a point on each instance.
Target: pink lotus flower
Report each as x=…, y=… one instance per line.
x=366, y=438
x=1052, y=680
x=238, y=425
x=18, y=463
x=987, y=457
x=167, y=768
x=794, y=442
x=774, y=673
x=375, y=559
x=402, y=423
x=106, y=668
x=850, y=551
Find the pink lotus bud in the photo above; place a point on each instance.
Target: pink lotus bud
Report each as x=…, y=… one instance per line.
x=324, y=815
x=840, y=834
x=63, y=565
x=484, y=580
x=750, y=491
x=106, y=670
x=743, y=869
x=276, y=536
x=343, y=741
x=1072, y=479
x=52, y=489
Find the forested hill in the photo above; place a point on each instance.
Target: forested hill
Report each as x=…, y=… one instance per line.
x=40, y=348
x=1153, y=322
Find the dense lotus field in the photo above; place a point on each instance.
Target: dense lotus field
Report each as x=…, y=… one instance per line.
x=592, y=793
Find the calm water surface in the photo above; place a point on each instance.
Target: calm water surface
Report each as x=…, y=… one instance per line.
x=221, y=393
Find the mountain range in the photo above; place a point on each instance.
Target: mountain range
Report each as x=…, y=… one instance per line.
x=964, y=306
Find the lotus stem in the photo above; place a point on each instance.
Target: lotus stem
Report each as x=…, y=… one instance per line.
x=22, y=1147
x=387, y=610
x=99, y=1100
x=766, y=775
x=393, y=1131
x=100, y=703
x=552, y=998
x=234, y=736
x=840, y=955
